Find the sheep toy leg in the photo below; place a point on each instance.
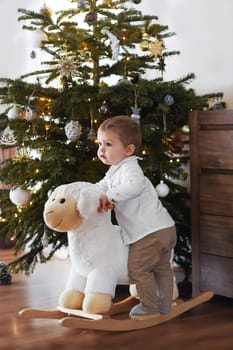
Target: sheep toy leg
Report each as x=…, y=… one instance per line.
x=72, y=297
x=99, y=291
x=97, y=303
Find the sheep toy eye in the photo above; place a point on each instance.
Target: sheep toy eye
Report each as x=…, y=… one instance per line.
x=62, y=200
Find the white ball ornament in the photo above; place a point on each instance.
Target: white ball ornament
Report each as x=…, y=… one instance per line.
x=13, y=113
x=73, y=130
x=162, y=189
x=20, y=197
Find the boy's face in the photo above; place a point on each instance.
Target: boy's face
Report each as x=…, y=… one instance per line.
x=111, y=150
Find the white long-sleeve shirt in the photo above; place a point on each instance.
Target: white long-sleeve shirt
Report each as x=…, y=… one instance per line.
x=138, y=209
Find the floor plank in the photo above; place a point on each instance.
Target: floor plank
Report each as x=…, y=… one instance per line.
x=207, y=327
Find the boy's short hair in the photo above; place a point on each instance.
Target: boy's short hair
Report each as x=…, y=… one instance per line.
x=127, y=129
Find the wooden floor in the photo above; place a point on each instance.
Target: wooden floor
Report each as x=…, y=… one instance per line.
x=207, y=327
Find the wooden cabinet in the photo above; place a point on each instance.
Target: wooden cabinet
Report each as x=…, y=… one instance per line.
x=211, y=174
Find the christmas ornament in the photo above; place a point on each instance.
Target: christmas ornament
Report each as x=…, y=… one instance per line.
x=19, y=196
x=102, y=84
x=124, y=33
x=44, y=239
x=7, y=137
x=185, y=128
x=135, y=115
x=91, y=134
x=155, y=48
x=124, y=80
x=30, y=113
x=114, y=43
x=217, y=106
x=162, y=189
x=67, y=67
x=33, y=54
x=107, y=3
x=135, y=78
x=14, y=112
x=144, y=44
x=104, y=109
x=81, y=4
x=176, y=146
x=21, y=155
x=5, y=276
x=90, y=17
x=176, y=142
x=169, y=100
x=73, y=130
x=46, y=10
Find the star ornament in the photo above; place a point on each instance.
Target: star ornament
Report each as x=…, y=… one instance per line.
x=67, y=67
x=156, y=48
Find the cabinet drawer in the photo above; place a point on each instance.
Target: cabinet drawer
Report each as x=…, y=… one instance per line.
x=216, y=274
x=216, y=235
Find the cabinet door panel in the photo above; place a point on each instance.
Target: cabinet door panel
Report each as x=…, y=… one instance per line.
x=215, y=149
x=214, y=118
x=211, y=173
x=216, y=193
x=216, y=235
x=216, y=274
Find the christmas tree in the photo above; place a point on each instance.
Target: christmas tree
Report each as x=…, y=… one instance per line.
x=96, y=55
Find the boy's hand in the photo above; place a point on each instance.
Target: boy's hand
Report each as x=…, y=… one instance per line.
x=105, y=204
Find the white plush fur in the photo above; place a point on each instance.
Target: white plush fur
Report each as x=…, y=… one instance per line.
x=98, y=255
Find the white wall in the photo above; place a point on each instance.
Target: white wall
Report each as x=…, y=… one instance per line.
x=204, y=33
x=204, y=36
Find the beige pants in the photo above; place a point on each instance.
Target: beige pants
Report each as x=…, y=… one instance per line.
x=150, y=269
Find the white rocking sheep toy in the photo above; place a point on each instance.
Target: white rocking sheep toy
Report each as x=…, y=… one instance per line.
x=98, y=255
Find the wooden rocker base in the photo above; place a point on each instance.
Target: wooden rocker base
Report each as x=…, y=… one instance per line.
x=117, y=320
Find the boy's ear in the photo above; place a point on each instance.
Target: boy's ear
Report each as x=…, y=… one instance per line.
x=130, y=149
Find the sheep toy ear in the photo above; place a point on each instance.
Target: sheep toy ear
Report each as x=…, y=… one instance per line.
x=88, y=201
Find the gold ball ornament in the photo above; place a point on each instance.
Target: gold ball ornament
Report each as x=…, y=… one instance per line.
x=145, y=36
x=144, y=45
x=185, y=128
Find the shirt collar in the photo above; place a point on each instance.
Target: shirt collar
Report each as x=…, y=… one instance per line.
x=113, y=168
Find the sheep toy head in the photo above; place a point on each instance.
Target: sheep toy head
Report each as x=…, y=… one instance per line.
x=69, y=204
